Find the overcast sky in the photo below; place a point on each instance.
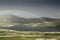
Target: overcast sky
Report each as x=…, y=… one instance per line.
x=31, y=8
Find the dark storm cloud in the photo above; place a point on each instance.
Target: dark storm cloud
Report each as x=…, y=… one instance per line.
x=49, y=8
x=31, y=1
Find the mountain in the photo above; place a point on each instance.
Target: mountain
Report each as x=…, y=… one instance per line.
x=12, y=20
x=50, y=19
x=28, y=24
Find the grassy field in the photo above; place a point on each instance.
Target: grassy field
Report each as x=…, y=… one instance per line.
x=43, y=35
x=17, y=38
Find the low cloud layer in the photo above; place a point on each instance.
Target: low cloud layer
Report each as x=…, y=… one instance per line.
x=18, y=13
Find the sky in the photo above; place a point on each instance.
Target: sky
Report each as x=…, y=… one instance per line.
x=31, y=8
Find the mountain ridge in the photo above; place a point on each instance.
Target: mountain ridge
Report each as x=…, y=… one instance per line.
x=28, y=24
x=15, y=20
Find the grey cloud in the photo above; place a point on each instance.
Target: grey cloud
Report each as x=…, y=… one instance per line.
x=49, y=8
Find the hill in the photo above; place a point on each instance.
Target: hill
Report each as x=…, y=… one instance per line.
x=12, y=20
x=28, y=24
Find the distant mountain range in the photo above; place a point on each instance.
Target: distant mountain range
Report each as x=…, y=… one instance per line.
x=14, y=18
x=32, y=24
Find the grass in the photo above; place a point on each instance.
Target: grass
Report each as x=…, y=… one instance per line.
x=16, y=38
x=21, y=38
x=46, y=35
